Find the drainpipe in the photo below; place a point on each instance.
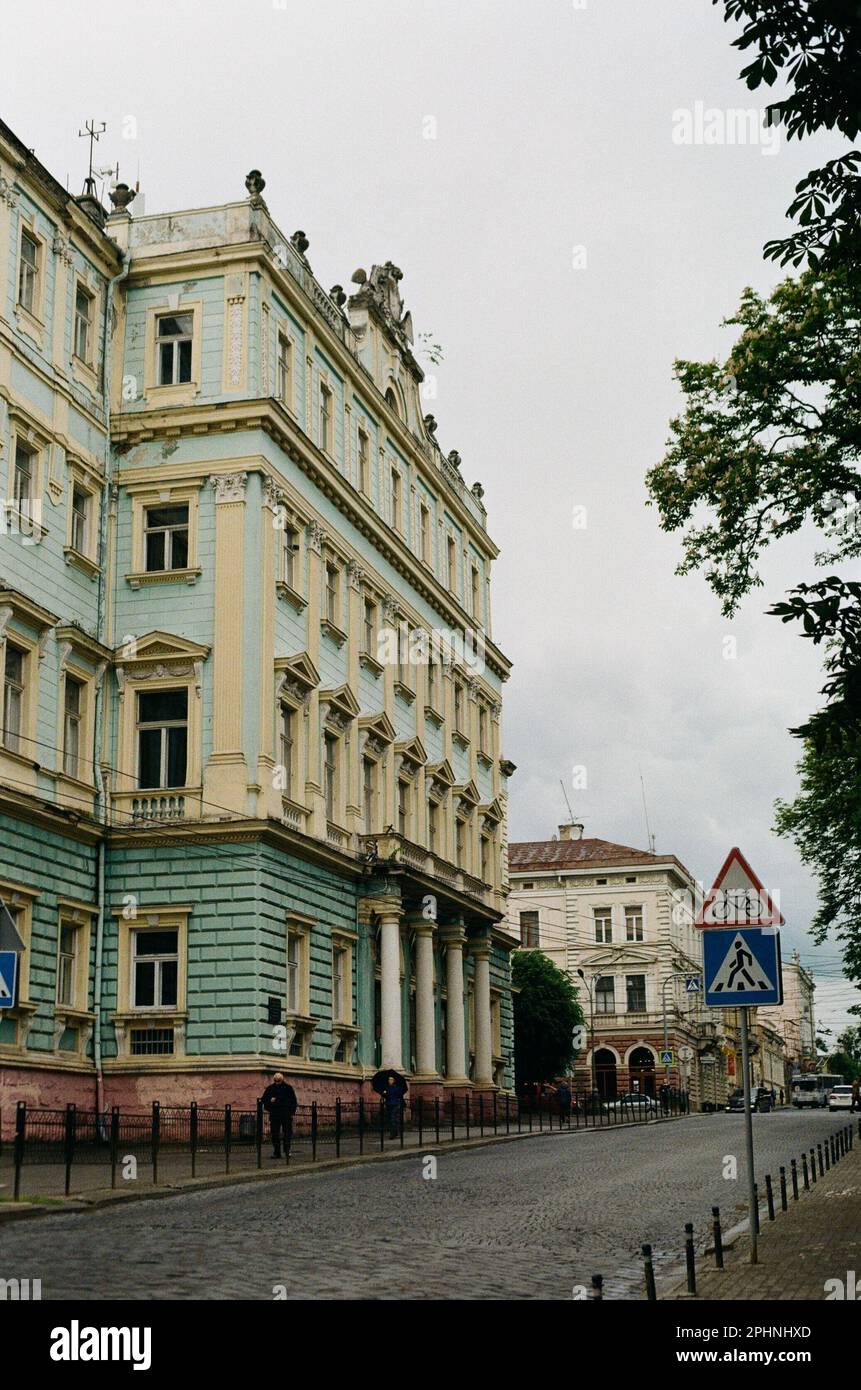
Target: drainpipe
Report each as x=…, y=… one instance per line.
x=108, y=509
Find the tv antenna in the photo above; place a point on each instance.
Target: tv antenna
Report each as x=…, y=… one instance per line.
x=94, y=131
x=567, y=802
x=649, y=836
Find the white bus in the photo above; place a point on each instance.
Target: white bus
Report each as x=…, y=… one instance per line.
x=812, y=1087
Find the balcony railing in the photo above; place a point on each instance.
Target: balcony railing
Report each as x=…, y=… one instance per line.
x=390, y=846
x=146, y=809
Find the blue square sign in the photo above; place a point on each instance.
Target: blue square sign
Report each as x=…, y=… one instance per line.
x=8, y=974
x=741, y=966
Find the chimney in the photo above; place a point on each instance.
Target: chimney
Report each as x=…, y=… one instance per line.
x=571, y=830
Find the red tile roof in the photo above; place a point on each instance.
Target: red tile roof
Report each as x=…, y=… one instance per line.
x=527, y=856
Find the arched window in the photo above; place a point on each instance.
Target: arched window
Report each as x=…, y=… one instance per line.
x=392, y=400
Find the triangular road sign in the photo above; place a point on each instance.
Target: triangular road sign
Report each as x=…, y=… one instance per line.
x=5, y=991
x=738, y=899
x=10, y=939
x=740, y=971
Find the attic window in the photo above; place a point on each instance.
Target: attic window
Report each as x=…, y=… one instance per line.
x=631, y=878
x=600, y=880
x=527, y=886
x=392, y=400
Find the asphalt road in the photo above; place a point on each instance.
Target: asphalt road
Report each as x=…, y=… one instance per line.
x=522, y=1220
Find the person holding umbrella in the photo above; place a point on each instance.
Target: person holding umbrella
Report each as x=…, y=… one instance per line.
x=389, y=1084
x=279, y=1102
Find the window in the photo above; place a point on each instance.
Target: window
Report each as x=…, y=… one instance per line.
x=482, y=728
x=433, y=677
x=151, y=1042
x=80, y=519
x=83, y=324
x=451, y=553
x=340, y=957
x=284, y=375
x=332, y=594
x=22, y=480
x=155, y=969
x=13, y=698
x=458, y=707
x=364, y=463
x=290, y=557
x=28, y=273
x=636, y=994
x=633, y=923
x=67, y=965
x=162, y=738
x=287, y=747
x=459, y=842
x=295, y=949
x=166, y=537
x=424, y=533
x=433, y=825
x=605, y=995
x=330, y=775
x=72, y=714
x=173, y=348
x=529, y=929
x=485, y=859
x=395, y=499
x=369, y=628
x=476, y=593
x=325, y=418
x=603, y=924
x=369, y=792
x=403, y=807
x=392, y=401
x=404, y=663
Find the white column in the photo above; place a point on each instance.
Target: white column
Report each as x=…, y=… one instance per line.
x=425, y=1023
x=456, y=1036
x=483, y=1031
x=390, y=988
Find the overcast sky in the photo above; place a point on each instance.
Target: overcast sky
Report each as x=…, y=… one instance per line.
x=490, y=148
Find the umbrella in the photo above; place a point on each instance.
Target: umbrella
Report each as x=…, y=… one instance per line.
x=380, y=1080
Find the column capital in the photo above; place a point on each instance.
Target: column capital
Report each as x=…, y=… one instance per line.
x=453, y=934
x=386, y=908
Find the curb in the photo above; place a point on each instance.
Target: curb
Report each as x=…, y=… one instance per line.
x=79, y=1204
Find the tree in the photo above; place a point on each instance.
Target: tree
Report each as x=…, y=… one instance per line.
x=847, y=1059
x=816, y=47
x=771, y=439
x=546, y=1013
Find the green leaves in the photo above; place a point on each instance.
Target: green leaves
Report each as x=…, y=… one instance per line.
x=546, y=1012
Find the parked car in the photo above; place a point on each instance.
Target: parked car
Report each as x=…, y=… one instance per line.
x=760, y=1099
x=840, y=1098
x=635, y=1102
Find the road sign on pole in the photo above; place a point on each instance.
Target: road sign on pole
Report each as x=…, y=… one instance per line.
x=693, y=984
x=737, y=898
x=742, y=966
x=8, y=973
x=667, y=1057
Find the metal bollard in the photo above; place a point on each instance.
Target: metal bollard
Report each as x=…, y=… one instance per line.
x=717, y=1234
x=769, y=1196
x=649, y=1272
x=821, y=1161
x=757, y=1226
x=689, y=1257
x=783, y=1202
x=804, y=1173
x=794, y=1167
x=597, y=1286
x=827, y=1159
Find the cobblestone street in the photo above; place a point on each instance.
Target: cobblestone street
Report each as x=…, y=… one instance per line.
x=528, y=1219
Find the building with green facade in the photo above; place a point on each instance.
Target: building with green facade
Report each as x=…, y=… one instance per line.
x=252, y=792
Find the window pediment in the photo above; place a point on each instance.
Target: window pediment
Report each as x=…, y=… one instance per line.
x=341, y=707
x=159, y=655
x=23, y=609
x=299, y=668
x=412, y=755
x=379, y=729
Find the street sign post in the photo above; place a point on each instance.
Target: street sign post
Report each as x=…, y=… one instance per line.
x=667, y=1057
x=742, y=969
x=8, y=974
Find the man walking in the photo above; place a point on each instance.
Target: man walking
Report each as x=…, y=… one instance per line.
x=395, y=1089
x=279, y=1102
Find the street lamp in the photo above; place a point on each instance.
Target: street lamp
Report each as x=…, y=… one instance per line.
x=588, y=985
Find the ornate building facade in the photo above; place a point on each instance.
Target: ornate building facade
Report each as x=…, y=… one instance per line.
x=252, y=791
x=620, y=922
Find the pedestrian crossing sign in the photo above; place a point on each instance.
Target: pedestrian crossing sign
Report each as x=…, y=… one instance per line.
x=8, y=971
x=742, y=967
x=667, y=1058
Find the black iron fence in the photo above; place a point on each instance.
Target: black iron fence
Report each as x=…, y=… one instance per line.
x=163, y=1134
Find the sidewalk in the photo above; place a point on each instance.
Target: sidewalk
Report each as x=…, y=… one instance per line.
x=42, y=1184
x=817, y=1239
